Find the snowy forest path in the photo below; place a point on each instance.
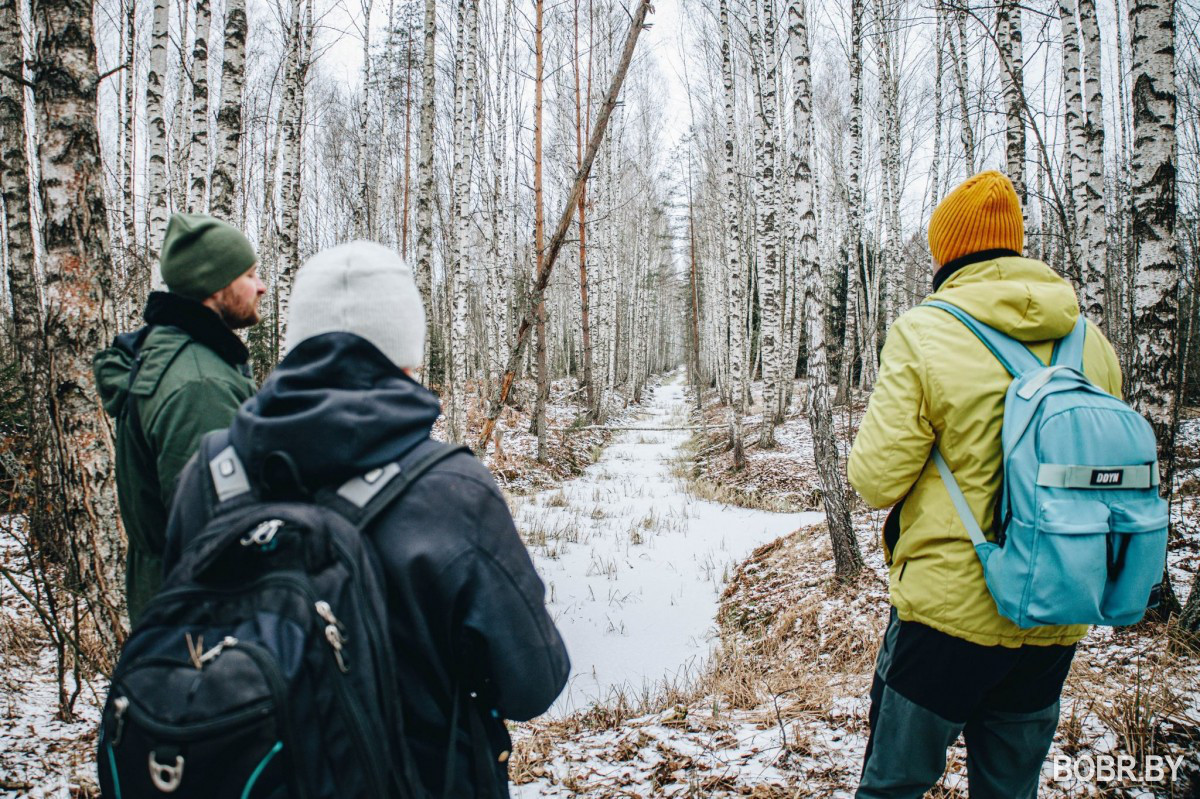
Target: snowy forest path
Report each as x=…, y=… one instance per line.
x=633, y=564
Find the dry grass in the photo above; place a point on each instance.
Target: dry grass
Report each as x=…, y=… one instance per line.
x=795, y=658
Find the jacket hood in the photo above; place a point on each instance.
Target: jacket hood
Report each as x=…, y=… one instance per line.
x=335, y=407
x=1020, y=297
x=111, y=367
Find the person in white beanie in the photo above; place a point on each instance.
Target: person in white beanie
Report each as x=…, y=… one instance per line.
x=362, y=288
x=474, y=642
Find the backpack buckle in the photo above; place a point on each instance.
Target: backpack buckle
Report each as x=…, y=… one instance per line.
x=166, y=778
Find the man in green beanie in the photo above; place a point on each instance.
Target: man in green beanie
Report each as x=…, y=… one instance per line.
x=183, y=374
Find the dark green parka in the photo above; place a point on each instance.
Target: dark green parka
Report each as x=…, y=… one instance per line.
x=191, y=379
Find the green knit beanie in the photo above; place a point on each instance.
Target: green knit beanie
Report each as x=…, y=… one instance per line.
x=202, y=255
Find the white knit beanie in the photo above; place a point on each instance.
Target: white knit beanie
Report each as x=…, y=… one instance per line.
x=362, y=288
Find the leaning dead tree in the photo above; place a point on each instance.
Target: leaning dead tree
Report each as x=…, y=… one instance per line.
x=538, y=290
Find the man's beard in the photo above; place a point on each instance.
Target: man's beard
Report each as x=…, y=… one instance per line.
x=237, y=316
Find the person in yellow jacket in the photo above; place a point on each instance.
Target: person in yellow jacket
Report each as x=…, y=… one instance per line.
x=949, y=662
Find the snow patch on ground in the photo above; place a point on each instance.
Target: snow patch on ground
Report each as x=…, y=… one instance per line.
x=633, y=565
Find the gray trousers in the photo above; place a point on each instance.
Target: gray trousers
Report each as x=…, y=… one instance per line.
x=929, y=687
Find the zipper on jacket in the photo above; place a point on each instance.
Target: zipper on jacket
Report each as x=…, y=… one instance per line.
x=903, y=566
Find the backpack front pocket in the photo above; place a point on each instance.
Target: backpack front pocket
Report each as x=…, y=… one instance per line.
x=1069, y=564
x=1136, y=558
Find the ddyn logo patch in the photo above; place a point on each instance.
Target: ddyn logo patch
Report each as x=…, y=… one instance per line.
x=1107, y=477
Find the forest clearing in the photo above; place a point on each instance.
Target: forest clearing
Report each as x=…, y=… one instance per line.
x=657, y=258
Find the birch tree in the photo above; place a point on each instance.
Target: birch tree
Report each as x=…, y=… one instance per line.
x=958, y=60
x=1009, y=40
x=362, y=222
x=229, y=118
x=539, y=227
x=733, y=247
x=762, y=50
x=1081, y=259
x=156, y=179
x=78, y=312
x=847, y=559
x=292, y=111
x=1155, y=302
x=939, y=41
x=128, y=127
x=464, y=124
x=1093, y=230
x=425, y=188
x=855, y=290
x=198, y=152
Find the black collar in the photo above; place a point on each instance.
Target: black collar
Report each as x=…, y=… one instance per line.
x=198, y=321
x=943, y=274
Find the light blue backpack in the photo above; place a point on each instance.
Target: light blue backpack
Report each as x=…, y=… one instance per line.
x=1083, y=530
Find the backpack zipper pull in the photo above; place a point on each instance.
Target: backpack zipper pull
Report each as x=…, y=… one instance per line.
x=120, y=705
x=333, y=633
x=226, y=642
x=263, y=534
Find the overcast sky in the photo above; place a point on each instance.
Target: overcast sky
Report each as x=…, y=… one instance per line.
x=341, y=43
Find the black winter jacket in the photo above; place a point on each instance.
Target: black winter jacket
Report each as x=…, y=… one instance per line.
x=466, y=608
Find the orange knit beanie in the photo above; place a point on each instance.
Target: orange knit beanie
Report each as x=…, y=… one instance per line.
x=982, y=213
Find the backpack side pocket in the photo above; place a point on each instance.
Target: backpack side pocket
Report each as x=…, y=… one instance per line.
x=1136, y=559
x=1069, y=563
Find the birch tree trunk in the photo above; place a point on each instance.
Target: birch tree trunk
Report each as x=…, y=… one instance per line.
x=855, y=288
x=766, y=218
x=229, y=118
x=156, y=179
x=362, y=217
x=180, y=132
x=292, y=111
x=847, y=559
x=1155, y=372
x=539, y=227
x=939, y=40
x=79, y=313
x=129, y=170
x=1012, y=70
x=22, y=273
x=1094, y=227
x=198, y=152
x=958, y=59
x=425, y=187
x=14, y=185
x=888, y=267
x=583, y=109
x=404, y=218
x=1079, y=256
x=733, y=250
x=464, y=124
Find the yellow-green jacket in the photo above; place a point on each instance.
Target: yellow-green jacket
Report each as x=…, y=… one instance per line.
x=939, y=384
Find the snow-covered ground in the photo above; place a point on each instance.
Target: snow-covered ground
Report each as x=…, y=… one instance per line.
x=633, y=565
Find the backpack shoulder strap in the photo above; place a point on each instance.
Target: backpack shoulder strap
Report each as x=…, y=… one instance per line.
x=361, y=499
x=1068, y=351
x=229, y=479
x=1012, y=354
x=960, y=501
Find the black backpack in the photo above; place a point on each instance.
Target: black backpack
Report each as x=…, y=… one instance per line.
x=263, y=669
